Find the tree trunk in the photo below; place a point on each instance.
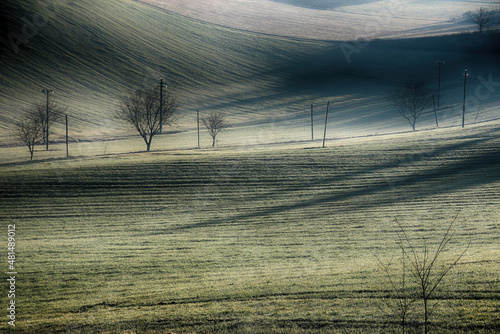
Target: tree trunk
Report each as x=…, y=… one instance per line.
x=213, y=141
x=426, y=317
x=148, y=141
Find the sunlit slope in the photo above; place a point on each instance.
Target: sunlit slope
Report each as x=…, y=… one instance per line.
x=92, y=53
x=331, y=19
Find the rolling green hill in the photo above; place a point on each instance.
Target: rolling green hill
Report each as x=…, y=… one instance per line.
x=92, y=53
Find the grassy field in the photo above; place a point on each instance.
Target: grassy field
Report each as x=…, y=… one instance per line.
x=257, y=239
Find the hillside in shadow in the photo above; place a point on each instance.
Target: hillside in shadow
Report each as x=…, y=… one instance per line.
x=473, y=43
x=92, y=54
x=324, y=4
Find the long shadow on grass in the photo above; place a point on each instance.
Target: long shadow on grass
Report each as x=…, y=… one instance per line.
x=461, y=173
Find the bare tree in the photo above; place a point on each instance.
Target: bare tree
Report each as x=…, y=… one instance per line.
x=411, y=99
x=427, y=268
x=215, y=123
x=29, y=131
x=482, y=16
x=142, y=110
x=421, y=273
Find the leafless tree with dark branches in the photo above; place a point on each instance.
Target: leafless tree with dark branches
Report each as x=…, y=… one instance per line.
x=482, y=16
x=30, y=131
x=141, y=109
x=428, y=268
x=411, y=99
x=215, y=123
x=422, y=273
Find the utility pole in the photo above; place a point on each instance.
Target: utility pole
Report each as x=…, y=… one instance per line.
x=326, y=122
x=67, y=131
x=312, y=122
x=465, y=90
x=198, y=123
x=161, y=85
x=67, y=137
x=47, y=92
x=435, y=110
x=439, y=63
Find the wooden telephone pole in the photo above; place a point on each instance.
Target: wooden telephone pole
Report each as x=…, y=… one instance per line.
x=465, y=91
x=161, y=85
x=198, y=123
x=312, y=123
x=46, y=130
x=326, y=122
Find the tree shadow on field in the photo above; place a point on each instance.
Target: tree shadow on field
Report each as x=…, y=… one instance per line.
x=453, y=167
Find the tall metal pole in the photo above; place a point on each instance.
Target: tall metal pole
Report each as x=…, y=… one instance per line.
x=47, y=125
x=326, y=122
x=435, y=110
x=161, y=85
x=47, y=92
x=465, y=90
x=198, y=123
x=312, y=122
x=67, y=137
x=439, y=63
